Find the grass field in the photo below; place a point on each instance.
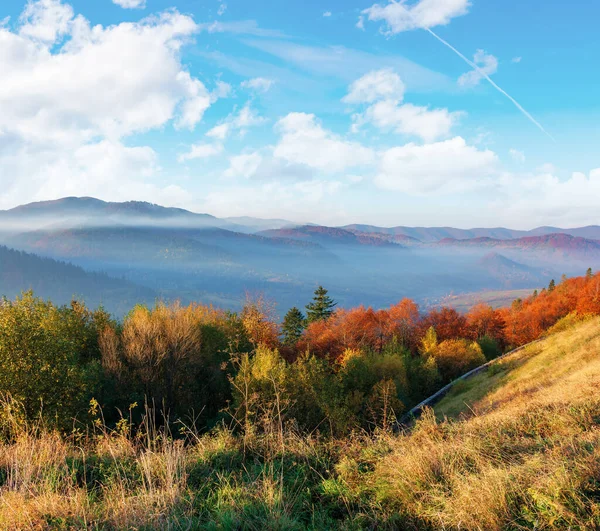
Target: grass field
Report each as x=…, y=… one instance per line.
x=520, y=450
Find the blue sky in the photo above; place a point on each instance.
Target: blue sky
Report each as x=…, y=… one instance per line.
x=332, y=112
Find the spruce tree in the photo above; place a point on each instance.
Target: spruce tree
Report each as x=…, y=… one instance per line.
x=552, y=285
x=589, y=273
x=292, y=327
x=321, y=307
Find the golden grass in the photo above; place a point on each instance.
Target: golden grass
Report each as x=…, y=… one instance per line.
x=524, y=456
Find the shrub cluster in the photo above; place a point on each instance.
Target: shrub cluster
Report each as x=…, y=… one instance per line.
x=340, y=370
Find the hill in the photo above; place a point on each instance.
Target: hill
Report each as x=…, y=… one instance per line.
x=62, y=282
x=329, y=236
x=525, y=445
x=512, y=274
x=563, y=244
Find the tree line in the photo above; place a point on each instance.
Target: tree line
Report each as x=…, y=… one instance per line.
x=332, y=370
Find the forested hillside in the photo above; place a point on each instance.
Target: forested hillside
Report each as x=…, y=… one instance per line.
x=62, y=282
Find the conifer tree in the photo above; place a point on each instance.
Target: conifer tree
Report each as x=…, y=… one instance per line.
x=321, y=307
x=292, y=327
x=552, y=285
x=589, y=273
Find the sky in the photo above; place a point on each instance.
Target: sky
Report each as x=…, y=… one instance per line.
x=465, y=113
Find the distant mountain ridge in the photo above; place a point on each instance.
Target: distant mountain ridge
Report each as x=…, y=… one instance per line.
x=78, y=211
x=328, y=235
x=433, y=234
x=549, y=242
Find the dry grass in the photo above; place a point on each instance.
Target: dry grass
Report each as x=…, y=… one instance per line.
x=524, y=456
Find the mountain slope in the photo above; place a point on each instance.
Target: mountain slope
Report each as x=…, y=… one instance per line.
x=526, y=447
x=61, y=282
x=328, y=236
x=560, y=243
x=511, y=273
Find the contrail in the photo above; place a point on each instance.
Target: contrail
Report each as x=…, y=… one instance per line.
x=491, y=81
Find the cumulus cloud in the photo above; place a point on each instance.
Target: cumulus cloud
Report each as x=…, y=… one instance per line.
x=244, y=165
x=327, y=14
x=376, y=85
x=423, y=14
x=538, y=198
x=258, y=84
x=384, y=90
x=486, y=66
x=64, y=93
x=130, y=4
x=241, y=121
x=413, y=120
x=442, y=167
x=46, y=21
x=304, y=141
x=201, y=151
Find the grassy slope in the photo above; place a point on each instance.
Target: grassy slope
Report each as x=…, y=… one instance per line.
x=525, y=452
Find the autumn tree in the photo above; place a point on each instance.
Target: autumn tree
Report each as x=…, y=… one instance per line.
x=259, y=320
x=321, y=307
x=484, y=321
x=292, y=327
x=448, y=323
x=404, y=320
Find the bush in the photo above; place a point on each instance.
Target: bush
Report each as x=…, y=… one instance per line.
x=490, y=348
x=455, y=357
x=49, y=359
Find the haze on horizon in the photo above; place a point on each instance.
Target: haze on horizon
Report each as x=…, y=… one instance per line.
x=416, y=113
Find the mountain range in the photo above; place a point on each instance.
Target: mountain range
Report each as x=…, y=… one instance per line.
x=174, y=253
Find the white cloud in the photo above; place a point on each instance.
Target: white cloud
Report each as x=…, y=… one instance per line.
x=219, y=132
x=376, y=85
x=327, y=14
x=304, y=141
x=130, y=4
x=201, y=151
x=424, y=14
x=244, y=166
x=517, y=156
x=543, y=198
x=222, y=8
x=516, y=60
x=70, y=90
x=259, y=84
x=486, y=66
x=384, y=90
x=242, y=121
x=409, y=119
x=46, y=21
x=443, y=167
